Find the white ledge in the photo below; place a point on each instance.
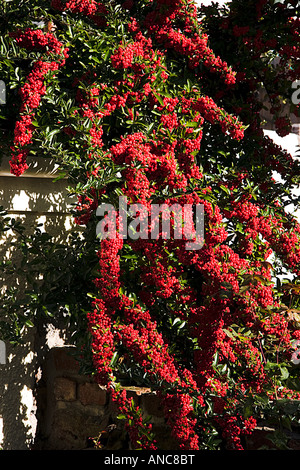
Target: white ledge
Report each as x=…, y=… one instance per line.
x=38, y=168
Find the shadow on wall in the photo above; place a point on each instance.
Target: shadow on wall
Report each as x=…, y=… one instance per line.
x=33, y=200
x=17, y=407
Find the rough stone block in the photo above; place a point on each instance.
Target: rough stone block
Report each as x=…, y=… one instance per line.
x=91, y=394
x=64, y=389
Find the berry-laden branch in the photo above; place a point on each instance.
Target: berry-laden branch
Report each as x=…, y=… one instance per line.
x=34, y=89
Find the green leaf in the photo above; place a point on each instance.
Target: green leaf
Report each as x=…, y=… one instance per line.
x=284, y=373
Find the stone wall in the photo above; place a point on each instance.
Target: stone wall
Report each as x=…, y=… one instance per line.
x=72, y=409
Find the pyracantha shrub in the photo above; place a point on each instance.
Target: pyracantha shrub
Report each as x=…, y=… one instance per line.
x=160, y=102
